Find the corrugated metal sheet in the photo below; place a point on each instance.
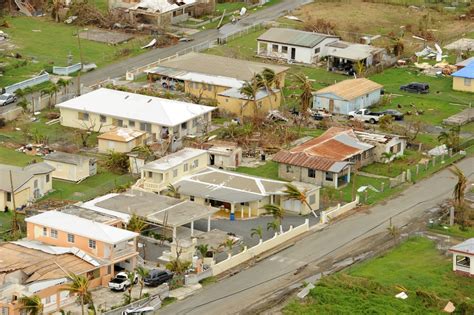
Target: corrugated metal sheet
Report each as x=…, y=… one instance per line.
x=351, y=89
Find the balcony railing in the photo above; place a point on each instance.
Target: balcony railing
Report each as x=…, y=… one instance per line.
x=117, y=253
x=152, y=186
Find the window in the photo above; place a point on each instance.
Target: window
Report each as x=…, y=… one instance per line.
x=117, y=122
x=284, y=49
x=145, y=127
x=92, y=244
x=312, y=199
x=185, y=167
x=150, y=174
x=131, y=123
x=288, y=169
x=329, y=176
x=109, y=269
x=70, y=238
x=47, y=178
x=467, y=82
x=311, y=173
x=45, y=231
x=9, y=197
x=191, y=198
x=54, y=233
x=275, y=48
x=196, y=163
x=184, y=126
x=102, y=118
x=317, y=50
x=82, y=116
x=4, y=310
x=175, y=173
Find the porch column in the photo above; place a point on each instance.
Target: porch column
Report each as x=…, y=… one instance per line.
x=232, y=208
x=192, y=228
x=258, y=48
x=174, y=233
x=250, y=211
x=335, y=179
x=241, y=211
x=454, y=261
x=349, y=175
x=471, y=265
x=208, y=223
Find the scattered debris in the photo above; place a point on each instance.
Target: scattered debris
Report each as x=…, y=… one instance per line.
x=463, y=44
x=293, y=18
x=364, y=188
x=276, y=115
x=439, y=150
x=303, y=293
x=401, y=295
x=150, y=44
x=88, y=67
x=35, y=149
x=449, y=308
x=70, y=19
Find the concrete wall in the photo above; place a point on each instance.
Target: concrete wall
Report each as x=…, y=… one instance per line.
x=247, y=108
x=206, y=91
x=460, y=84
x=247, y=254
x=227, y=161
x=332, y=213
x=391, y=146
x=26, y=193
x=12, y=114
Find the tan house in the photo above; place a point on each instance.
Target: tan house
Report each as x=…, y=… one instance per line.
x=71, y=167
x=165, y=121
x=325, y=160
x=243, y=194
x=220, y=82
x=158, y=174
x=121, y=140
x=463, y=80
x=29, y=183
x=233, y=102
x=223, y=154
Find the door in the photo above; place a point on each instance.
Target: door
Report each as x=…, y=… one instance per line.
x=331, y=106
x=212, y=159
x=293, y=53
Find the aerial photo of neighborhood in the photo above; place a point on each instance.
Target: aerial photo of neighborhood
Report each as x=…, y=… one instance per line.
x=218, y=157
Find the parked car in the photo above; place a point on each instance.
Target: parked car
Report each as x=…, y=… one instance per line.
x=6, y=99
x=365, y=115
x=167, y=83
x=157, y=277
x=121, y=281
x=394, y=113
x=320, y=115
x=415, y=87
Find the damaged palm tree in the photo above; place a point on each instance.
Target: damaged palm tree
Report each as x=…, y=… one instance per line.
x=293, y=193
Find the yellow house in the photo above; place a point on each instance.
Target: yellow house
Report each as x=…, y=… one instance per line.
x=463, y=80
x=232, y=101
x=72, y=167
x=121, y=140
x=157, y=175
x=29, y=183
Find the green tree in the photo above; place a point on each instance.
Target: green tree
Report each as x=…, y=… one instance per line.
x=136, y=224
x=293, y=193
x=117, y=162
x=142, y=273
x=79, y=286
x=387, y=157
x=450, y=138
x=203, y=249
x=228, y=244
x=63, y=84
x=460, y=187
x=31, y=304
x=144, y=151
x=276, y=211
x=172, y=191
x=250, y=89
x=273, y=225
x=131, y=279
x=257, y=232
x=306, y=95
x=267, y=79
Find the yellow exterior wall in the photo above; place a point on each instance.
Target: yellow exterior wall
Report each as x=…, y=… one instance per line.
x=459, y=84
x=106, y=145
x=234, y=105
x=206, y=91
x=68, y=171
x=26, y=193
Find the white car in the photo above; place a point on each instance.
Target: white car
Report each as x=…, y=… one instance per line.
x=121, y=281
x=6, y=99
x=365, y=115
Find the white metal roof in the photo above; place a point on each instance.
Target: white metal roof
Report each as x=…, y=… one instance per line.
x=162, y=6
x=155, y=110
x=79, y=226
x=175, y=159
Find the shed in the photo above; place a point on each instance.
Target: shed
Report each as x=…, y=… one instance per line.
x=348, y=95
x=121, y=140
x=463, y=257
x=71, y=167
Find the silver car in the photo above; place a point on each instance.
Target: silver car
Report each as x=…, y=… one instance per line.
x=6, y=99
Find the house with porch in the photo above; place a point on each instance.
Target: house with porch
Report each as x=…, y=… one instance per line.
x=347, y=95
x=21, y=185
x=241, y=194
x=293, y=45
x=326, y=160
x=463, y=258
x=343, y=57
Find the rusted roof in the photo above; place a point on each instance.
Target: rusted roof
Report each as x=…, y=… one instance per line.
x=327, y=152
x=350, y=89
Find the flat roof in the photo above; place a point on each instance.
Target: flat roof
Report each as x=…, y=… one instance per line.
x=293, y=37
x=132, y=106
x=174, y=159
x=220, y=66
x=88, y=214
x=21, y=175
x=84, y=227
x=68, y=158
x=350, y=89
x=121, y=134
x=351, y=51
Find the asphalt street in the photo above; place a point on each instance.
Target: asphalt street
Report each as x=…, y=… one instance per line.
x=232, y=295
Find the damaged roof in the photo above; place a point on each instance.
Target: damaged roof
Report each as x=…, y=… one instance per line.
x=293, y=37
x=121, y=135
x=328, y=152
x=351, y=51
x=350, y=89
x=68, y=158
x=21, y=175
x=162, y=6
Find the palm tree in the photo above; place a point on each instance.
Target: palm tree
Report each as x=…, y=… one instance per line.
x=32, y=304
x=257, y=231
x=229, y=244
x=393, y=231
x=203, y=249
x=450, y=138
x=460, y=186
x=136, y=224
x=273, y=225
x=250, y=89
x=276, y=211
x=267, y=79
x=387, y=157
x=306, y=94
x=144, y=151
x=172, y=191
x=142, y=273
x=80, y=286
x=131, y=279
x=63, y=84
x=293, y=193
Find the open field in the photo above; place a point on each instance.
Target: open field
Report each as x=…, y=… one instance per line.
x=269, y=170
x=43, y=43
x=416, y=267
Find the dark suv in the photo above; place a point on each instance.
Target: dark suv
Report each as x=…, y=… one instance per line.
x=157, y=277
x=415, y=87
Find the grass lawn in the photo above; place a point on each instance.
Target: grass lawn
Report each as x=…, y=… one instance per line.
x=229, y=7
x=51, y=43
x=12, y=157
x=416, y=267
x=94, y=186
x=453, y=231
x=268, y=170
x=372, y=196
x=396, y=167
x=5, y=220
x=244, y=47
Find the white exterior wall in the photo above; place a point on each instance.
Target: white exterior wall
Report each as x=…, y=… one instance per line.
x=343, y=107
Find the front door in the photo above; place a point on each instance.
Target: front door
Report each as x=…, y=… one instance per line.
x=293, y=53
x=331, y=106
x=212, y=159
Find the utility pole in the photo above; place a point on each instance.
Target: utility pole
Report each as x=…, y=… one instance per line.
x=82, y=63
x=14, y=218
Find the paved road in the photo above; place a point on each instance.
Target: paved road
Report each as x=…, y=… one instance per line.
x=234, y=294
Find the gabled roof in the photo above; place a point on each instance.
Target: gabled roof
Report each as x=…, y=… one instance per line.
x=350, y=89
x=79, y=226
x=68, y=158
x=293, y=37
x=174, y=159
x=21, y=175
x=328, y=152
x=121, y=135
x=132, y=106
x=466, y=247
x=466, y=72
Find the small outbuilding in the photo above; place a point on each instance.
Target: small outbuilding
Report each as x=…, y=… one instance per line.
x=463, y=80
x=223, y=154
x=348, y=95
x=463, y=258
x=121, y=140
x=71, y=167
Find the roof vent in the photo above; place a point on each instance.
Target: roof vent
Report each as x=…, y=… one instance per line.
x=127, y=96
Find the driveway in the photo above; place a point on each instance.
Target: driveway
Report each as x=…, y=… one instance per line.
x=233, y=295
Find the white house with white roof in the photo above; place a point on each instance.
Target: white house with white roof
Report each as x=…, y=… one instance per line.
x=164, y=120
x=463, y=257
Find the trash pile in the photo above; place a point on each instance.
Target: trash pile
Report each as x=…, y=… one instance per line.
x=441, y=68
x=35, y=149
